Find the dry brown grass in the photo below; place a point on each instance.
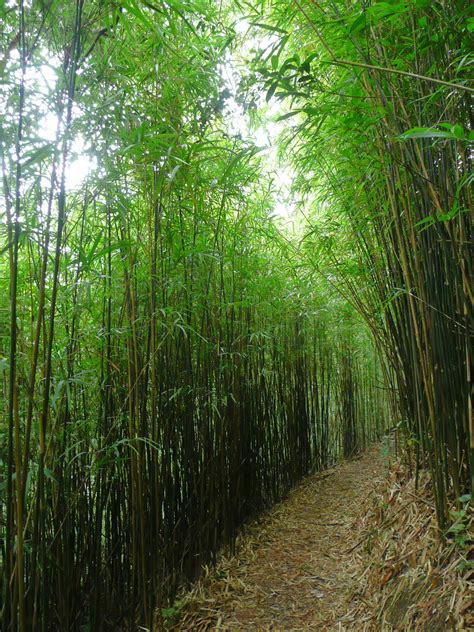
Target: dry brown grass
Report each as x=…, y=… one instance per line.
x=412, y=579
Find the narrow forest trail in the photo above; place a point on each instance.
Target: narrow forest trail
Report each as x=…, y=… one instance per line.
x=295, y=568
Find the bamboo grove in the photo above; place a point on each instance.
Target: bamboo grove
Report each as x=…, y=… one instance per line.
x=167, y=371
x=379, y=98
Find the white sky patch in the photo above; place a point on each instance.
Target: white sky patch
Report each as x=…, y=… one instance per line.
x=242, y=26
x=265, y=136
x=41, y=82
x=48, y=127
x=81, y=163
x=42, y=79
x=78, y=170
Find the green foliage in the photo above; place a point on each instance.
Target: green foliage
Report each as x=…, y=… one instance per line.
x=172, y=365
x=462, y=522
x=171, y=615
x=451, y=132
x=382, y=160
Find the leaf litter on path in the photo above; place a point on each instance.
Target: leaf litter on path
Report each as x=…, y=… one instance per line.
x=291, y=571
x=355, y=548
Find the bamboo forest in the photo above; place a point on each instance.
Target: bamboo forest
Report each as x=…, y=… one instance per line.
x=236, y=315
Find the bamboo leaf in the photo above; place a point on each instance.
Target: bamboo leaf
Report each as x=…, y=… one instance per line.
x=269, y=27
x=271, y=90
x=426, y=132
x=37, y=155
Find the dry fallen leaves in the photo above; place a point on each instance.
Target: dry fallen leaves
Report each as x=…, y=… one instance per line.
x=353, y=549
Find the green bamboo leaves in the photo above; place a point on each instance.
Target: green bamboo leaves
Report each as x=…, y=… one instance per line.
x=167, y=368
x=444, y=130
x=386, y=164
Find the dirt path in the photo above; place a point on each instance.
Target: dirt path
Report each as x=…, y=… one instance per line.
x=293, y=570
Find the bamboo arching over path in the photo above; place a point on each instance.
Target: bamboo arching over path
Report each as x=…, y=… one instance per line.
x=234, y=250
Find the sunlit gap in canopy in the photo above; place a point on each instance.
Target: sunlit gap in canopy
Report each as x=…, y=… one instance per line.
x=41, y=83
x=265, y=133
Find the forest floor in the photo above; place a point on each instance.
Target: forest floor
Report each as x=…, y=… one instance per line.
x=348, y=549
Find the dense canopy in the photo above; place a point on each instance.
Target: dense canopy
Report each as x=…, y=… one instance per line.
x=234, y=248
